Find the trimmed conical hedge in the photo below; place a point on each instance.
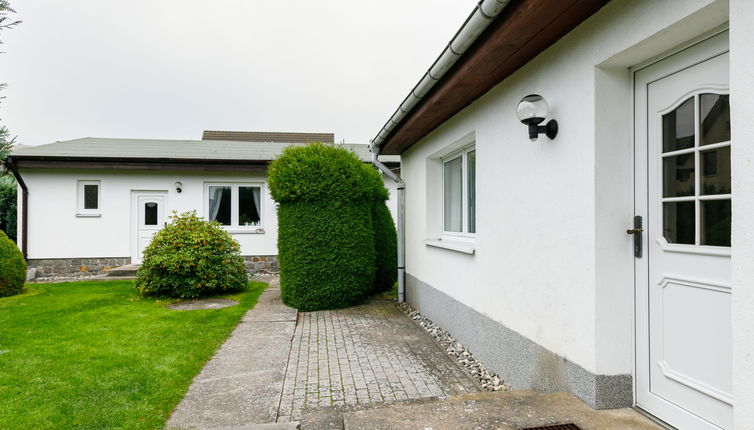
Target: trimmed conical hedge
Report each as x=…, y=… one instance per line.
x=327, y=243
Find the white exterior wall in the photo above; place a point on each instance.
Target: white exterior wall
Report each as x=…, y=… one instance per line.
x=552, y=260
x=742, y=133
x=56, y=232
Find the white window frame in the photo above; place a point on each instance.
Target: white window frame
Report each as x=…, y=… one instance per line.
x=234, y=226
x=80, y=210
x=464, y=235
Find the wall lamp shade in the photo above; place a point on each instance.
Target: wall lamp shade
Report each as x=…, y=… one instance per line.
x=532, y=110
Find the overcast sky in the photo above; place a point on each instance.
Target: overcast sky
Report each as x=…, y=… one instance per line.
x=169, y=69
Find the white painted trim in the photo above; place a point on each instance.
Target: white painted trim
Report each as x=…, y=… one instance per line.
x=464, y=235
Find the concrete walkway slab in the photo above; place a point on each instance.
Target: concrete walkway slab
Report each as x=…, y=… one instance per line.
x=241, y=385
x=511, y=410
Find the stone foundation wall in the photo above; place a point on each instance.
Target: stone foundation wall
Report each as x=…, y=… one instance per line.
x=70, y=267
x=49, y=267
x=262, y=264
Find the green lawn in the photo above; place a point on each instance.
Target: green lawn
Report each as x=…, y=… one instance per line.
x=94, y=355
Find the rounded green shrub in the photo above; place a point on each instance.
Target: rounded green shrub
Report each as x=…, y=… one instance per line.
x=385, y=235
x=325, y=234
x=190, y=258
x=12, y=267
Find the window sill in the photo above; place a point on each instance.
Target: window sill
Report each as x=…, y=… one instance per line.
x=245, y=230
x=465, y=247
x=88, y=215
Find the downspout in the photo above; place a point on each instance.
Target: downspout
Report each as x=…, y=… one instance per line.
x=24, y=205
x=401, y=221
x=478, y=21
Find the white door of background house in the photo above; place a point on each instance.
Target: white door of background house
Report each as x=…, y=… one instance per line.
x=683, y=275
x=148, y=209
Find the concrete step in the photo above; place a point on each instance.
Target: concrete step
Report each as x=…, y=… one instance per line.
x=511, y=410
x=127, y=271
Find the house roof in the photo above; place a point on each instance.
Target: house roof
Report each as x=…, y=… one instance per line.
x=265, y=136
x=521, y=31
x=146, y=151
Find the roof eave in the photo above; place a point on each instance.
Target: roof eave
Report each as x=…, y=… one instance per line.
x=521, y=32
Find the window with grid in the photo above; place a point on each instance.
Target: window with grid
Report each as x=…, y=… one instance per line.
x=696, y=181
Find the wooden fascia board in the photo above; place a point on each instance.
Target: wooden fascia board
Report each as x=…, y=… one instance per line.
x=524, y=29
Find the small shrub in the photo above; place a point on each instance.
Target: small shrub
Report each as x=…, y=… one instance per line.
x=385, y=235
x=325, y=237
x=12, y=267
x=191, y=258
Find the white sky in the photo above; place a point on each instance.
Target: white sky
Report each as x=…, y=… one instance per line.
x=171, y=68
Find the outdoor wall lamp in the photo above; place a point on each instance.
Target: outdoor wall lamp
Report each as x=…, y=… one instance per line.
x=532, y=110
x=178, y=187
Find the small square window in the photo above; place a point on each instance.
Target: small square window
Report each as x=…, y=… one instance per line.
x=88, y=196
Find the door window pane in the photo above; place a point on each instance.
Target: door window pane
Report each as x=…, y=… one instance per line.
x=248, y=206
x=453, y=195
x=716, y=171
x=150, y=213
x=678, y=127
x=471, y=181
x=91, y=196
x=716, y=222
x=679, y=222
x=678, y=175
x=219, y=204
x=715, y=118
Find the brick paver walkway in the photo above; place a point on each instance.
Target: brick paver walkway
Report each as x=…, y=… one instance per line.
x=365, y=354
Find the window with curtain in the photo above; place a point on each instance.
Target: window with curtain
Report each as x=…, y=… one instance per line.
x=235, y=205
x=459, y=193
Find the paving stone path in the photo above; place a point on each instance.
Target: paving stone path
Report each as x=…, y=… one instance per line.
x=278, y=363
x=365, y=354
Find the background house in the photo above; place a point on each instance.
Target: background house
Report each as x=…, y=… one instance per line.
x=94, y=203
x=530, y=252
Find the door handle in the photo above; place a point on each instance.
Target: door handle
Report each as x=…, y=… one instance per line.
x=636, y=233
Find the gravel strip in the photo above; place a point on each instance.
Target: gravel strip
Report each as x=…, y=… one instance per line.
x=488, y=380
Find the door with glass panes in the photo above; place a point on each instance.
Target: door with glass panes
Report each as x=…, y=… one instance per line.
x=683, y=272
x=149, y=210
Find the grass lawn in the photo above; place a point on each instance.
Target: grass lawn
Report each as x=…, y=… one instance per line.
x=94, y=355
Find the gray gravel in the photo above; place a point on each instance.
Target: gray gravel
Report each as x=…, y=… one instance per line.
x=489, y=380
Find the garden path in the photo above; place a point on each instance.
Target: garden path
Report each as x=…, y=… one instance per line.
x=278, y=363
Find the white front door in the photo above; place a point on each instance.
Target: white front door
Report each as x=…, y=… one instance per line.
x=149, y=212
x=683, y=194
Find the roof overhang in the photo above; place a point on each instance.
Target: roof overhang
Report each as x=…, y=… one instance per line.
x=523, y=30
x=149, y=164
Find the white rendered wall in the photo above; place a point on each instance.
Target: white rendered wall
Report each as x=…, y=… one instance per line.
x=56, y=232
x=552, y=258
x=742, y=134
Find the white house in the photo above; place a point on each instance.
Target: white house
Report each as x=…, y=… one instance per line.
x=90, y=204
x=603, y=259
